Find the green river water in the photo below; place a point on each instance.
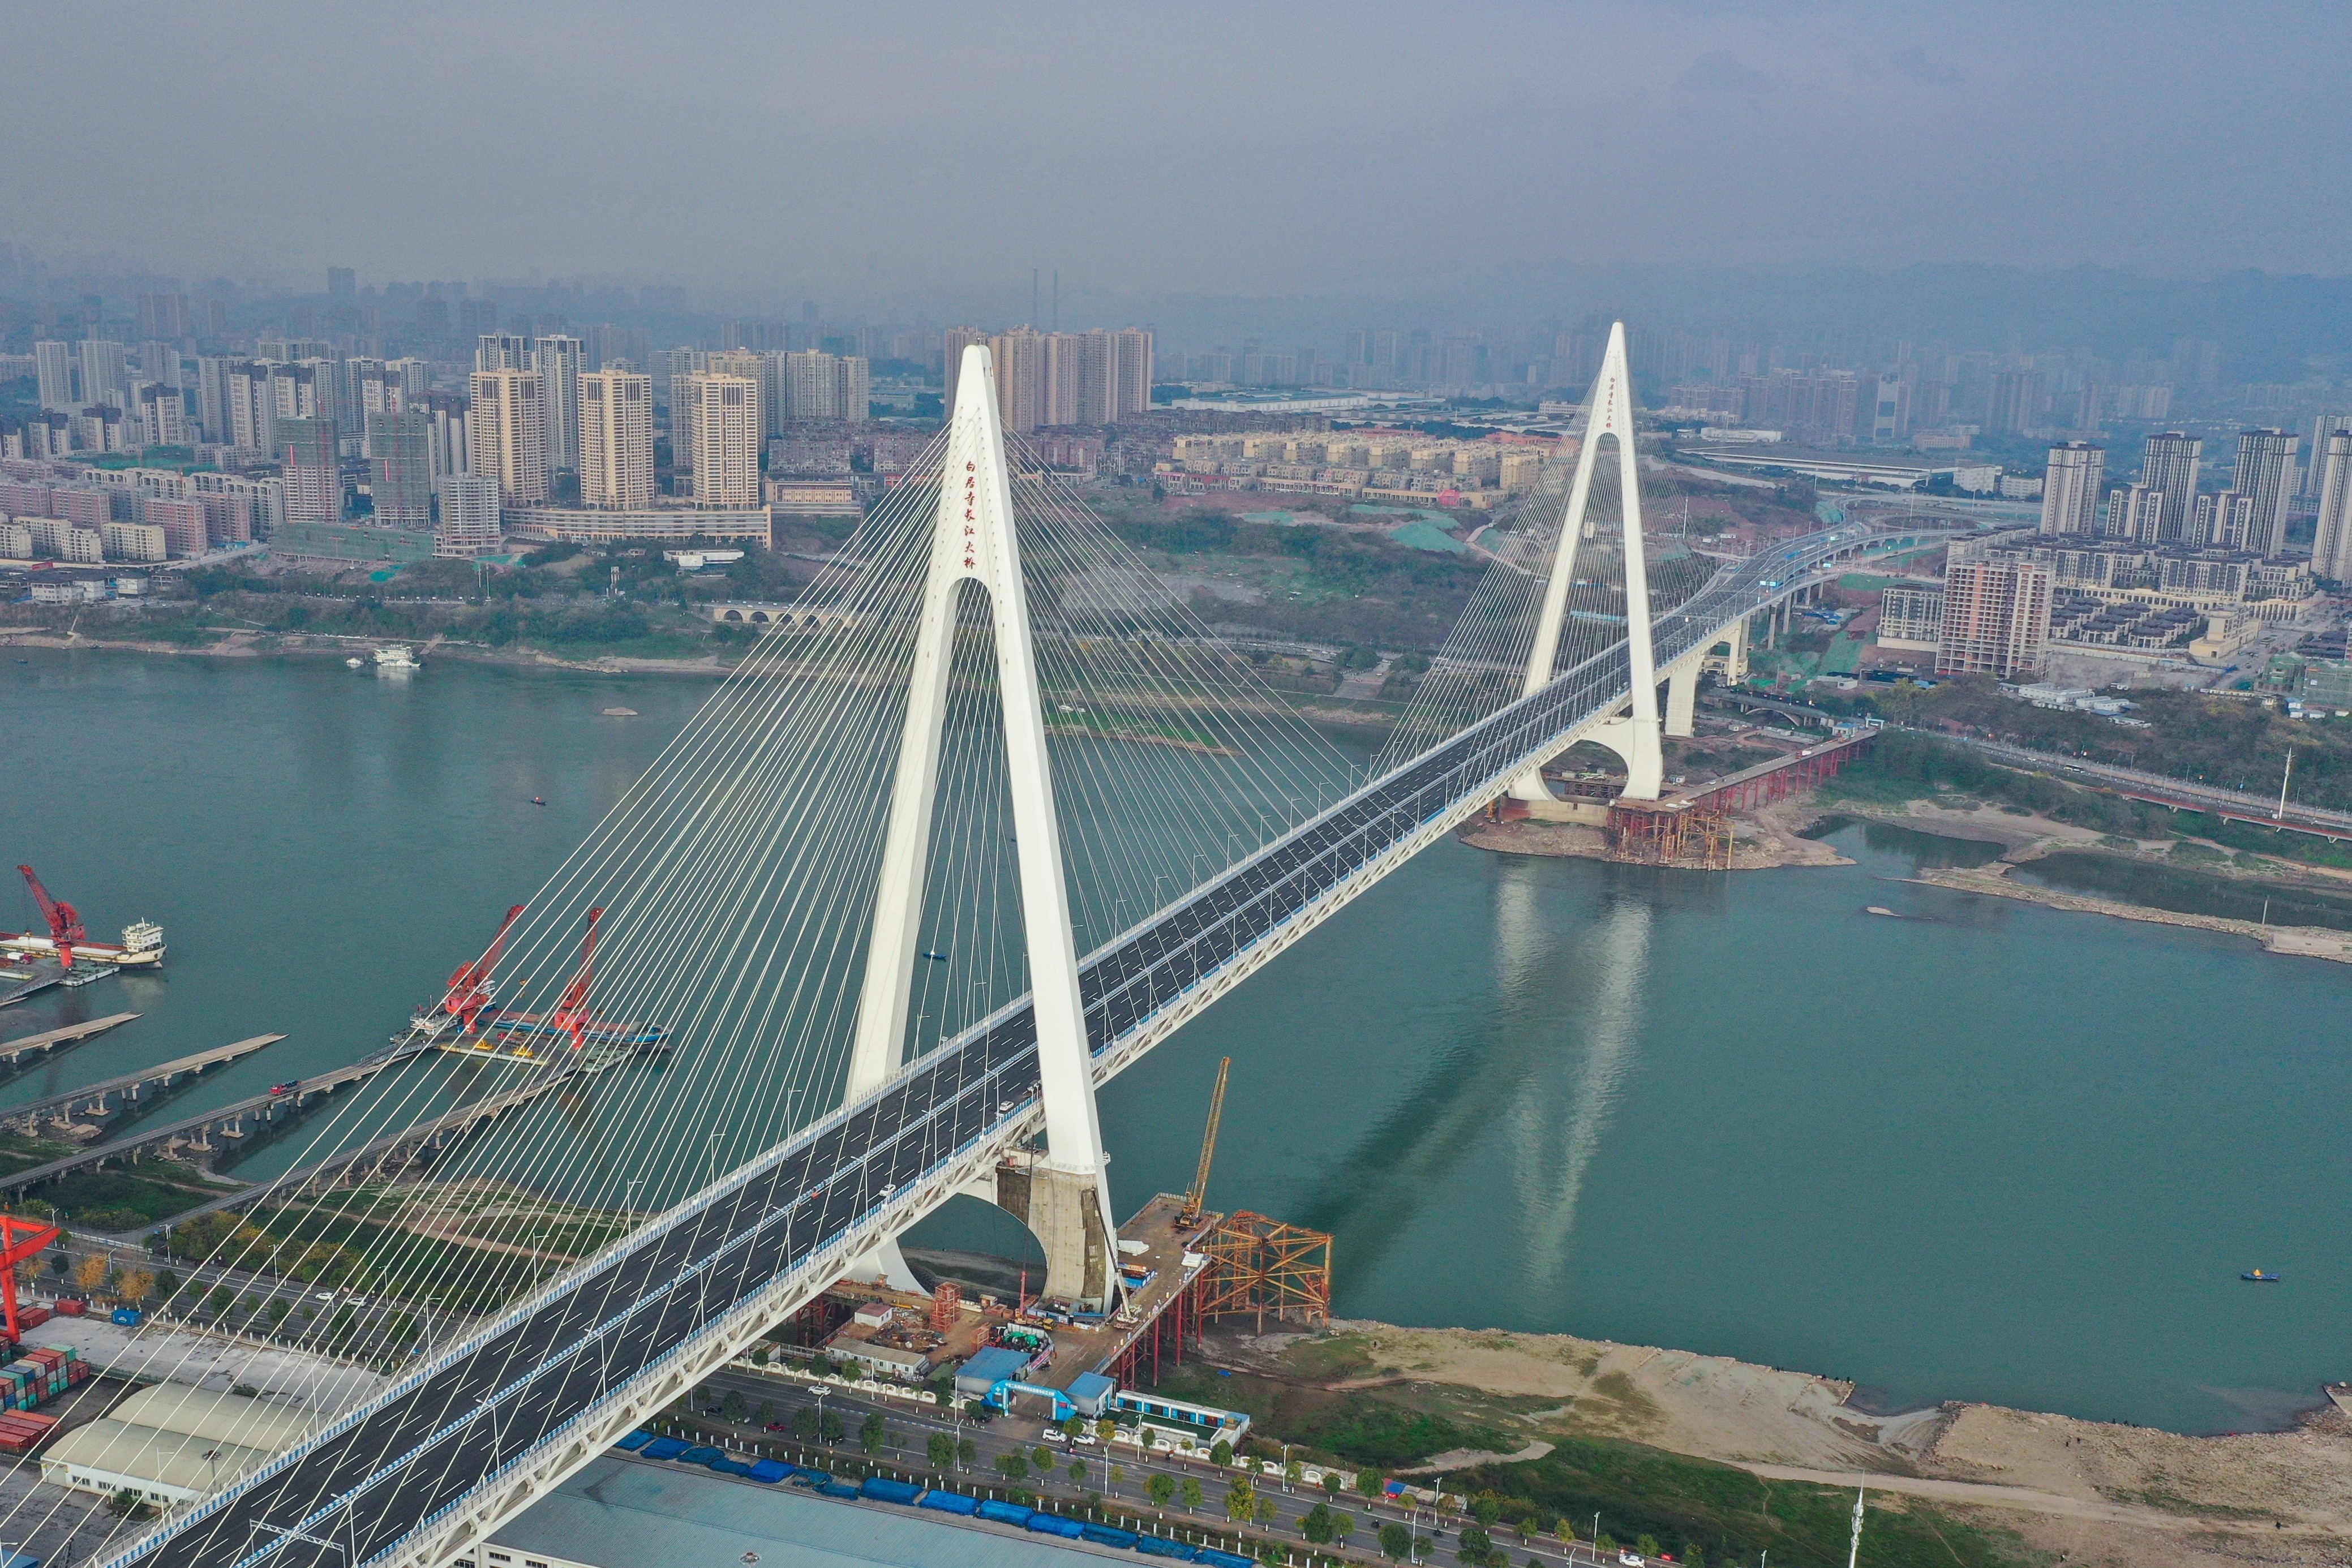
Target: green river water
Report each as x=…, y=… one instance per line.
x=1996, y=1152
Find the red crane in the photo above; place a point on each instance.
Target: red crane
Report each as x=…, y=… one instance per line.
x=65, y=924
x=571, y=1012
x=469, y=987
x=19, y=1239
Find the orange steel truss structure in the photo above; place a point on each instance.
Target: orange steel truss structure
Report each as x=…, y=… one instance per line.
x=1258, y=1266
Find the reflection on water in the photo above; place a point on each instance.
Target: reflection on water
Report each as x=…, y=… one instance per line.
x=2186, y=891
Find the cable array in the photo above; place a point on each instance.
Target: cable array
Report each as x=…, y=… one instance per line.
x=734, y=886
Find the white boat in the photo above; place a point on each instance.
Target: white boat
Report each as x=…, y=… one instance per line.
x=396, y=657
x=356, y=662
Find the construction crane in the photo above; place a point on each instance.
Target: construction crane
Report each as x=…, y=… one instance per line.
x=1190, y=1215
x=469, y=987
x=19, y=1239
x=65, y=924
x=572, y=1011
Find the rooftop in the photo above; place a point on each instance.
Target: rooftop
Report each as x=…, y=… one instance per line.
x=628, y=1514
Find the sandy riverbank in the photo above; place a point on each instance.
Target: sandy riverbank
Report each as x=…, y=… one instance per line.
x=2096, y=1492
x=2295, y=941
x=237, y=644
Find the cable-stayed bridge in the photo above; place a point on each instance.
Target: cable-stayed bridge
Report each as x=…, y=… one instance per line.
x=479, y=1428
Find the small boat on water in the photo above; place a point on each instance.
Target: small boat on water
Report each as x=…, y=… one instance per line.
x=356, y=662
x=2259, y=1277
x=396, y=656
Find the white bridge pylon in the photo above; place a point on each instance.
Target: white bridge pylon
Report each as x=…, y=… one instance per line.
x=1634, y=735
x=975, y=541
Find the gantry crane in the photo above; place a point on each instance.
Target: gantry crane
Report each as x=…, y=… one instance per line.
x=469, y=987
x=572, y=1011
x=65, y=924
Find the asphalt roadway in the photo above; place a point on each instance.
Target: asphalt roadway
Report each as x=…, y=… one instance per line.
x=909, y=1427
x=391, y=1469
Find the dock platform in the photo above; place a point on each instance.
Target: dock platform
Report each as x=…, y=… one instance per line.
x=16, y=1052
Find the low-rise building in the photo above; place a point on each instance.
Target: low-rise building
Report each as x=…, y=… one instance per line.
x=352, y=542
x=172, y=1443
x=613, y=525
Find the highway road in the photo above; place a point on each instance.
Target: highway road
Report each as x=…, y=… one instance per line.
x=909, y=1427
x=2162, y=787
x=390, y=1468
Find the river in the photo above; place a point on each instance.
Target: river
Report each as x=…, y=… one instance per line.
x=1995, y=1151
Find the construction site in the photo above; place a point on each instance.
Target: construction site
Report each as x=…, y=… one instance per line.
x=1181, y=1268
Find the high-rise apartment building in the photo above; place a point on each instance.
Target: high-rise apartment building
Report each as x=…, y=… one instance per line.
x=617, y=439
x=250, y=416
x=162, y=414
x=2169, y=463
x=400, y=468
x=163, y=316
x=2225, y=519
x=2069, y=495
x=313, y=475
x=507, y=429
x=57, y=373
x=2331, y=550
x=558, y=364
x=2266, y=475
x=2322, y=427
x=1996, y=619
x=503, y=352
x=105, y=372
x=160, y=361
x=2135, y=512
x=448, y=446
x=728, y=432
x=469, y=521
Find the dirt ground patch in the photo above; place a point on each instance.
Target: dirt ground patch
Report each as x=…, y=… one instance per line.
x=2097, y=1491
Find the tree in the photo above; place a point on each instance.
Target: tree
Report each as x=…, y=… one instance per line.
x=1240, y=1502
x=1073, y=1425
x=1117, y=1473
x=91, y=1272
x=1015, y=1466
x=1104, y=1430
x=872, y=1435
x=1343, y=1525
x=1367, y=1481
x=1266, y=1509
x=1161, y=1489
x=279, y=1307
x=1043, y=1456
x=1396, y=1541
x=805, y=1423
x=967, y=1452
x=1191, y=1488
x=1487, y=1510
x=1693, y=1556
x=135, y=1286
x=735, y=1408
x=831, y=1427
x=942, y=1450
x=124, y=1503
x=1475, y=1544
x=1646, y=1544
x=1077, y=1472
x=763, y=1415
x=1317, y=1525
x=220, y=1298
x=1293, y=1472
x=1331, y=1483
x=1221, y=1453
x=167, y=1284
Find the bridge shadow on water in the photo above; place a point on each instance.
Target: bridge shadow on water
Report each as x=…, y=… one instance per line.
x=1529, y=1088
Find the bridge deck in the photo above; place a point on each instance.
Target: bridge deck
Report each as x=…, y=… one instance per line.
x=29, y=1113
x=14, y=1050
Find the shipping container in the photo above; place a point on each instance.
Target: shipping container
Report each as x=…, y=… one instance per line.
x=71, y=1308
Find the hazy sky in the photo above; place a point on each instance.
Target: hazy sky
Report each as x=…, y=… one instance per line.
x=868, y=154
